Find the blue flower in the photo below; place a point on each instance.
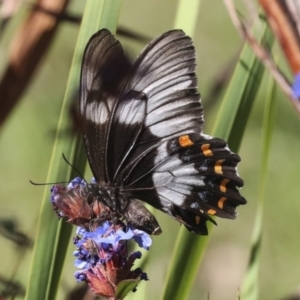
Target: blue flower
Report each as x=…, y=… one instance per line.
x=77, y=181
x=296, y=86
x=142, y=238
x=80, y=276
x=107, y=234
x=102, y=256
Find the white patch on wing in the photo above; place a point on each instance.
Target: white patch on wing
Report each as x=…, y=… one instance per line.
x=163, y=161
x=180, y=188
x=167, y=188
x=169, y=164
x=132, y=112
x=162, y=153
x=176, y=198
x=185, y=170
x=171, y=109
x=163, y=83
x=97, y=112
x=161, y=178
x=172, y=126
x=194, y=205
x=190, y=180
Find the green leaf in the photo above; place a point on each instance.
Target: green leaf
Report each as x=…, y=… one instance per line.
x=250, y=288
x=126, y=286
x=187, y=16
x=53, y=236
x=241, y=93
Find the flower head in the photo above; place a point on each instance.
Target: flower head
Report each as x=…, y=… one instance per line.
x=101, y=255
x=103, y=259
x=78, y=205
x=296, y=86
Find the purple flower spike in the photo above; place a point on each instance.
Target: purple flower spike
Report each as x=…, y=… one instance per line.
x=103, y=259
x=101, y=239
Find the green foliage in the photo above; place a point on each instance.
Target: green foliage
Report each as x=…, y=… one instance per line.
x=27, y=140
x=250, y=290
x=52, y=241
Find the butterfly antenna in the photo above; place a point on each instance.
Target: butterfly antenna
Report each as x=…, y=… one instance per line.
x=49, y=183
x=74, y=168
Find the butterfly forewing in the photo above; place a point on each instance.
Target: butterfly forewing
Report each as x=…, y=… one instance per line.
x=103, y=69
x=164, y=74
x=144, y=138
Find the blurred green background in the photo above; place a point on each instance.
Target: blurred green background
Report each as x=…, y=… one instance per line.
x=27, y=137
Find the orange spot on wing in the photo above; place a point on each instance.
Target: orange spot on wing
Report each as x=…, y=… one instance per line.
x=197, y=219
x=211, y=212
x=185, y=141
x=223, y=185
x=218, y=166
x=221, y=202
x=206, y=151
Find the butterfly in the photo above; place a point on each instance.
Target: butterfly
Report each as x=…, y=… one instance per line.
x=143, y=134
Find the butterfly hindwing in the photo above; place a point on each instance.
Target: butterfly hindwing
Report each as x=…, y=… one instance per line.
x=193, y=177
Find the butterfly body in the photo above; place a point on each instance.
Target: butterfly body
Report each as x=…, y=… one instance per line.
x=121, y=204
x=142, y=131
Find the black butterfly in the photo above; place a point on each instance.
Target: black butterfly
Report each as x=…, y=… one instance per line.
x=143, y=135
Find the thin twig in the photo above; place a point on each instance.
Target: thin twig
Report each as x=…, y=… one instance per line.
x=262, y=54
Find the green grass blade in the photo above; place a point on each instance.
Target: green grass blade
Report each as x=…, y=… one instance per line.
x=184, y=265
x=53, y=236
x=187, y=16
x=250, y=288
x=230, y=125
x=237, y=103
